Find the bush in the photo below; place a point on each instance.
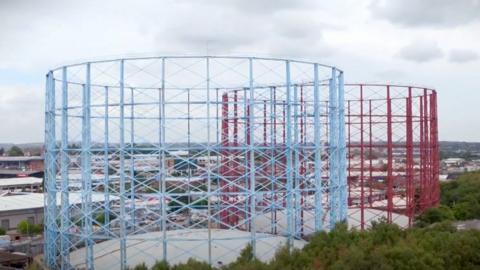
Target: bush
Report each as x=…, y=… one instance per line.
x=24, y=227
x=162, y=265
x=15, y=151
x=2, y=231
x=433, y=215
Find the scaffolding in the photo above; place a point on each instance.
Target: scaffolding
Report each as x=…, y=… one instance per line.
x=392, y=152
x=191, y=153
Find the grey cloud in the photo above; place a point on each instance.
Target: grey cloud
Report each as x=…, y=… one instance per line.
x=421, y=51
x=441, y=13
x=262, y=6
x=462, y=56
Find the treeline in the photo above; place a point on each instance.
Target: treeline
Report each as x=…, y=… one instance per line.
x=460, y=200
x=384, y=246
x=432, y=244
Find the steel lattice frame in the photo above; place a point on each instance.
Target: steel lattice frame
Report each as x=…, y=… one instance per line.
x=252, y=146
x=392, y=152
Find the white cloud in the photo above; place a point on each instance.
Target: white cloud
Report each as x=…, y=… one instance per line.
x=421, y=51
x=38, y=35
x=462, y=56
x=437, y=13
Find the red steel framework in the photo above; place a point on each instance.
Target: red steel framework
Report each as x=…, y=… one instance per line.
x=392, y=153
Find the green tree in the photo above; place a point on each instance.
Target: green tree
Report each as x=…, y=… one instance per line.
x=15, y=151
x=25, y=227
x=161, y=265
x=433, y=215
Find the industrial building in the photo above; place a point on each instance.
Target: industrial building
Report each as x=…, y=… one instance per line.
x=23, y=184
x=21, y=166
x=18, y=206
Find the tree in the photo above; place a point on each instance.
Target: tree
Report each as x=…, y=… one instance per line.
x=15, y=151
x=25, y=227
x=433, y=215
x=2, y=151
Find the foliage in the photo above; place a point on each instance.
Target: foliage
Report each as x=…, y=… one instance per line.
x=2, y=231
x=192, y=264
x=100, y=217
x=142, y=266
x=15, y=151
x=433, y=215
x=25, y=227
x=433, y=244
x=460, y=200
x=161, y=265
x=384, y=246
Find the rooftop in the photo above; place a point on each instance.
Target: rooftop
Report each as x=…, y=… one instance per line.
x=20, y=181
x=21, y=201
x=20, y=158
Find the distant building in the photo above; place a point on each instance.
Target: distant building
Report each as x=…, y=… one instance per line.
x=25, y=184
x=21, y=166
x=15, y=207
x=454, y=162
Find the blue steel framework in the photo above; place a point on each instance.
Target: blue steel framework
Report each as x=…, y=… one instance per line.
x=190, y=143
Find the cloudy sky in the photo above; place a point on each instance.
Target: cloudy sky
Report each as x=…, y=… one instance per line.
x=433, y=43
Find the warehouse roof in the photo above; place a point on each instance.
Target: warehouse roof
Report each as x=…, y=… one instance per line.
x=20, y=158
x=19, y=181
x=21, y=201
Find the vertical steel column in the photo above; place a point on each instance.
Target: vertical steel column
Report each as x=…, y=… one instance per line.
x=87, y=171
x=389, y=158
x=50, y=244
x=123, y=240
x=209, y=170
x=333, y=149
x=426, y=133
x=435, y=150
x=342, y=153
x=362, y=168
x=303, y=138
x=296, y=161
x=132, y=159
x=272, y=145
x=246, y=190
x=370, y=152
x=65, y=204
x=421, y=147
x=410, y=196
x=163, y=168
x=235, y=170
x=252, y=159
x=349, y=152
x=274, y=159
x=224, y=167
x=106, y=163
x=289, y=148
x=319, y=213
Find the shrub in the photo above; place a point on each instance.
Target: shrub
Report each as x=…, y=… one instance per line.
x=24, y=227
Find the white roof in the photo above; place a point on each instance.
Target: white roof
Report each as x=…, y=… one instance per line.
x=20, y=181
x=453, y=160
x=184, y=179
x=20, y=201
x=21, y=158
